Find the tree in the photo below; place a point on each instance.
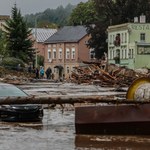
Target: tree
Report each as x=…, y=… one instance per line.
x=126, y=10
x=111, y=12
x=58, y=17
x=3, y=44
x=18, y=37
x=84, y=13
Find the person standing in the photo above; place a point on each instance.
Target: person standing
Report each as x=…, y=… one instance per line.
x=48, y=73
x=37, y=73
x=41, y=72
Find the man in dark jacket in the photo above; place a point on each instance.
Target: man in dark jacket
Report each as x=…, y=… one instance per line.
x=37, y=73
x=48, y=73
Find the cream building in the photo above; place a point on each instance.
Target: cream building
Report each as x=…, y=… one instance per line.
x=129, y=44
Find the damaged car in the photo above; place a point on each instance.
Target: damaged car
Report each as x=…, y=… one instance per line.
x=18, y=112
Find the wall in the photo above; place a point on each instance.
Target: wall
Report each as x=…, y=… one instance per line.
x=133, y=38
x=81, y=54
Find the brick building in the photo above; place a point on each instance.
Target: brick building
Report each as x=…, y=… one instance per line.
x=66, y=49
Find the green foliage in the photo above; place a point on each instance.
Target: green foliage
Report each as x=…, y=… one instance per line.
x=18, y=37
x=40, y=60
x=84, y=13
x=46, y=24
x=123, y=11
x=111, y=12
x=12, y=62
x=58, y=16
x=3, y=44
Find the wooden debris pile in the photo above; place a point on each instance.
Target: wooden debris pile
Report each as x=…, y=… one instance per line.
x=110, y=76
x=14, y=76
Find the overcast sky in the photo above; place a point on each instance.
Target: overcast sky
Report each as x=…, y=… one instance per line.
x=33, y=6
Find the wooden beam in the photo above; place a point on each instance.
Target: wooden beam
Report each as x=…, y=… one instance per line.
x=69, y=100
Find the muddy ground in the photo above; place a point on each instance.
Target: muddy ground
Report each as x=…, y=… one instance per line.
x=57, y=131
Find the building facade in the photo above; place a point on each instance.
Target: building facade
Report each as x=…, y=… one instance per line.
x=129, y=45
x=3, y=19
x=67, y=49
x=39, y=35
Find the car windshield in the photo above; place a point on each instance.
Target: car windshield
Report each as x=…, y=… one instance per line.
x=7, y=90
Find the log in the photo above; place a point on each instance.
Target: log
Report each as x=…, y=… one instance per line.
x=69, y=100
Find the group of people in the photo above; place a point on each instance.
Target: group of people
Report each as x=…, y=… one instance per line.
x=39, y=74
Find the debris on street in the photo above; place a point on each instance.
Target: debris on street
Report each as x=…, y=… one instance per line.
x=109, y=76
x=14, y=76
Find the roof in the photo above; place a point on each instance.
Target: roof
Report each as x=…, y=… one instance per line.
x=42, y=33
x=68, y=34
x=4, y=17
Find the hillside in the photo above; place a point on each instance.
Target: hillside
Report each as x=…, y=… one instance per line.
x=50, y=17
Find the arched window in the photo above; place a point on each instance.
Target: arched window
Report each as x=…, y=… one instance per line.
x=49, y=54
x=73, y=53
x=60, y=53
x=54, y=53
x=67, y=53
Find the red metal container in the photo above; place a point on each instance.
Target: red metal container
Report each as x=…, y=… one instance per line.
x=121, y=119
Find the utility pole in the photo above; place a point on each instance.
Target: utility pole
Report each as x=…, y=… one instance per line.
x=36, y=42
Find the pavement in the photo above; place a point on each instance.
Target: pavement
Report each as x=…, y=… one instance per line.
x=46, y=88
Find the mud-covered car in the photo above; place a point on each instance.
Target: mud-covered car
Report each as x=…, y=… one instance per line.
x=19, y=112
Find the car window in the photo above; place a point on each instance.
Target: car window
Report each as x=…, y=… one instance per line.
x=6, y=90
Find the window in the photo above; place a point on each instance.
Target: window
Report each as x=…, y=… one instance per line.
x=142, y=36
x=73, y=53
x=49, y=54
x=122, y=53
x=143, y=50
x=113, y=37
x=54, y=53
x=112, y=54
x=67, y=53
x=117, y=58
x=125, y=51
x=49, y=45
x=109, y=56
x=130, y=53
x=60, y=53
x=125, y=37
x=92, y=54
x=117, y=40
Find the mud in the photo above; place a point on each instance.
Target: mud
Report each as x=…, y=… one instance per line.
x=57, y=131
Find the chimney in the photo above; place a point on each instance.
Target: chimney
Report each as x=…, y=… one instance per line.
x=136, y=20
x=142, y=19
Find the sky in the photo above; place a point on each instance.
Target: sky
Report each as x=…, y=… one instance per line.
x=33, y=6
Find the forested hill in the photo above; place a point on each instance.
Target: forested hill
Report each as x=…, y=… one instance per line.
x=51, y=18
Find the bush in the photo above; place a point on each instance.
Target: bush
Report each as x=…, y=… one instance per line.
x=40, y=60
x=12, y=63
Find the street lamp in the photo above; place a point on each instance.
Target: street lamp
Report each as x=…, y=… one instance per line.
x=36, y=47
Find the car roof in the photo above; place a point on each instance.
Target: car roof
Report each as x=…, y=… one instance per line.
x=11, y=90
x=2, y=83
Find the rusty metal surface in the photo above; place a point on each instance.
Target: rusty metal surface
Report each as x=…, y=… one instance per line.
x=114, y=119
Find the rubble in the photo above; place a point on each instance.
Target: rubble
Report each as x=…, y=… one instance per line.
x=109, y=75
x=92, y=73
x=14, y=76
